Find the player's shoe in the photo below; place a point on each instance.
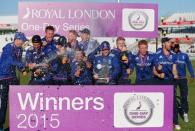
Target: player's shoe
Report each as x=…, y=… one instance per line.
x=177, y=127
x=185, y=117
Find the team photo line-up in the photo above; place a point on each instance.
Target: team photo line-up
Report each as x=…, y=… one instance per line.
x=60, y=60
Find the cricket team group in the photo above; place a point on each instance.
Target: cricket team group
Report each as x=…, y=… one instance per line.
x=59, y=60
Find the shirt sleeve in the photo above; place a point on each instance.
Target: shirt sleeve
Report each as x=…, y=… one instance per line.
x=189, y=66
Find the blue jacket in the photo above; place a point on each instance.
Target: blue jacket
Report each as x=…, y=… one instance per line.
x=85, y=77
x=38, y=57
x=124, y=66
x=144, y=66
x=11, y=58
x=34, y=56
x=50, y=48
x=60, y=71
x=183, y=62
x=166, y=62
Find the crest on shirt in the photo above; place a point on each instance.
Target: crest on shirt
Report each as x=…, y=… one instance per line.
x=170, y=56
x=183, y=57
x=160, y=56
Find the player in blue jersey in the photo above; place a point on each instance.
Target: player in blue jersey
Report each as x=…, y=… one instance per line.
x=60, y=66
x=49, y=44
x=106, y=66
x=183, y=61
x=166, y=72
x=35, y=55
x=80, y=70
x=87, y=44
x=144, y=64
x=72, y=44
x=125, y=59
x=10, y=60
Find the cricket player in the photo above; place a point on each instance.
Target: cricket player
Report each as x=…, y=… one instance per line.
x=166, y=72
x=144, y=64
x=126, y=61
x=73, y=44
x=48, y=42
x=36, y=57
x=87, y=44
x=106, y=67
x=80, y=70
x=183, y=62
x=11, y=58
x=61, y=70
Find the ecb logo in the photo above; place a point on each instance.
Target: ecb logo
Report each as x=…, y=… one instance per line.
x=138, y=20
x=138, y=109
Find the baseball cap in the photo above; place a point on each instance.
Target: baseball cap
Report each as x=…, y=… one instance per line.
x=105, y=45
x=36, y=39
x=85, y=30
x=20, y=36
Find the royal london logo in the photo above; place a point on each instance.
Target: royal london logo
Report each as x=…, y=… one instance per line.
x=27, y=14
x=138, y=20
x=138, y=109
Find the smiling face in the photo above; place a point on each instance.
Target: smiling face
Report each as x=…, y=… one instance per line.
x=143, y=49
x=105, y=52
x=18, y=43
x=72, y=36
x=79, y=55
x=37, y=46
x=85, y=36
x=49, y=35
x=120, y=44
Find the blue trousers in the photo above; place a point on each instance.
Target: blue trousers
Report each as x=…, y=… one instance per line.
x=183, y=87
x=4, y=91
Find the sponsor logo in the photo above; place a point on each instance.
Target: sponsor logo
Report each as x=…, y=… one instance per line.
x=138, y=109
x=138, y=20
x=99, y=66
x=27, y=14
x=60, y=13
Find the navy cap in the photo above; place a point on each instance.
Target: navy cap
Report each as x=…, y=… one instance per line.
x=36, y=39
x=20, y=36
x=105, y=45
x=62, y=41
x=85, y=30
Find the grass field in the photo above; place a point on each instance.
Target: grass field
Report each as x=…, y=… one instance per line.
x=185, y=126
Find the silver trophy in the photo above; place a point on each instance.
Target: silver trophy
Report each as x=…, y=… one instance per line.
x=103, y=72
